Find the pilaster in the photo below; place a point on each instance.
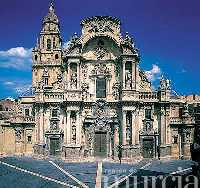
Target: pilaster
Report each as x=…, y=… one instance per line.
x=68, y=136
x=133, y=128
x=124, y=129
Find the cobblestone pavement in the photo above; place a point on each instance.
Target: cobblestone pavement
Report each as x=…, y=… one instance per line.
x=26, y=172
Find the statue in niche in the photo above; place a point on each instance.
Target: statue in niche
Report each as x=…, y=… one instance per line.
x=73, y=133
x=116, y=88
x=54, y=125
x=59, y=82
x=128, y=133
x=128, y=127
x=46, y=71
x=128, y=41
x=164, y=84
x=128, y=80
x=74, y=80
x=84, y=70
x=168, y=84
x=186, y=109
x=85, y=88
x=148, y=126
x=40, y=84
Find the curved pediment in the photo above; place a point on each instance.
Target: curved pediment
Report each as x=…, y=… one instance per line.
x=101, y=48
x=101, y=26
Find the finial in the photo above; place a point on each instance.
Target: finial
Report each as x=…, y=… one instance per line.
x=51, y=4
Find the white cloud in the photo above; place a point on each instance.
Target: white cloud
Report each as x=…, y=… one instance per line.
x=17, y=58
x=19, y=87
x=66, y=44
x=10, y=98
x=17, y=52
x=154, y=73
x=9, y=83
x=24, y=89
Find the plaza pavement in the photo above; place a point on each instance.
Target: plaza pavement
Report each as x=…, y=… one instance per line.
x=27, y=172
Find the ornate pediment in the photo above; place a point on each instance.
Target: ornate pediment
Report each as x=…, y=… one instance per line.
x=101, y=26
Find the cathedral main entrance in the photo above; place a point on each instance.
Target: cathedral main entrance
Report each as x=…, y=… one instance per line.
x=100, y=144
x=148, y=148
x=54, y=146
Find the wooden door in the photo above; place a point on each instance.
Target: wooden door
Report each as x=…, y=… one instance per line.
x=100, y=144
x=54, y=146
x=148, y=148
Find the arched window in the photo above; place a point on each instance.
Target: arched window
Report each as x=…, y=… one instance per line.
x=128, y=74
x=148, y=113
x=36, y=57
x=56, y=56
x=54, y=42
x=100, y=43
x=54, y=113
x=1, y=108
x=101, y=88
x=48, y=44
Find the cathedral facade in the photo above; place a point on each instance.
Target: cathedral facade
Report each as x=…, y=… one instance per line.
x=91, y=98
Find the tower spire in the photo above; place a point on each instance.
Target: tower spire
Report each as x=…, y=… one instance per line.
x=52, y=2
x=51, y=6
x=51, y=16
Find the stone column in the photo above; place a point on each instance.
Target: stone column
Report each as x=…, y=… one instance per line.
x=162, y=126
x=123, y=74
x=124, y=129
x=68, y=130
x=133, y=127
x=68, y=76
x=137, y=126
x=78, y=75
x=180, y=146
x=136, y=77
x=65, y=126
x=133, y=74
x=78, y=128
x=168, y=132
x=41, y=125
x=116, y=135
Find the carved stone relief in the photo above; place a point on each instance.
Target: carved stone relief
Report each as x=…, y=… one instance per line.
x=116, y=90
x=100, y=69
x=18, y=134
x=85, y=90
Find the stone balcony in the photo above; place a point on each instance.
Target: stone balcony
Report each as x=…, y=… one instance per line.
x=22, y=119
x=73, y=95
x=182, y=121
x=54, y=132
x=129, y=95
x=54, y=97
x=49, y=62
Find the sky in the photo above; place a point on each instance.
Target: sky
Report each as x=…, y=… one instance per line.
x=167, y=33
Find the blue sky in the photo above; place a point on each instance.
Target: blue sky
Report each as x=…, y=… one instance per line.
x=166, y=32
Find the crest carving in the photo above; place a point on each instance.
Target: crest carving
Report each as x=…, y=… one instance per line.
x=100, y=52
x=100, y=69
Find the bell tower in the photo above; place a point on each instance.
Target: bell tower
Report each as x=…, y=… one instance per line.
x=47, y=55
